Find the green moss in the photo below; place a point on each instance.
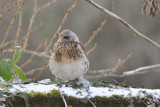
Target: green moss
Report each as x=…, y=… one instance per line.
x=36, y=95
x=54, y=93
x=74, y=101
x=53, y=98
x=37, y=99
x=114, y=101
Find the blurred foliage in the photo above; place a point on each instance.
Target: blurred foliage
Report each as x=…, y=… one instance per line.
x=9, y=70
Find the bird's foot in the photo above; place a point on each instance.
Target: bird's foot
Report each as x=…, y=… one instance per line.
x=80, y=83
x=59, y=82
x=59, y=85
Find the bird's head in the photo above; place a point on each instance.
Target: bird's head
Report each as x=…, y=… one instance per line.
x=67, y=35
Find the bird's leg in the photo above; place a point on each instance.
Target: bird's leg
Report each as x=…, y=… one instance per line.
x=59, y=82
x=82, y=83
x=71, y=83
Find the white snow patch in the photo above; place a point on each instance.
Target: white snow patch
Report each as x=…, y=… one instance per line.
x=81, y=93
x=45, y=81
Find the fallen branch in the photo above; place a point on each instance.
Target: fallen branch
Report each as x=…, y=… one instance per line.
x=123, y=22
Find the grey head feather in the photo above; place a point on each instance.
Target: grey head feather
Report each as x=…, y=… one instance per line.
x=72, y=36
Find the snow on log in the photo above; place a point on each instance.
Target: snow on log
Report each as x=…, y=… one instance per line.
x=46, y=94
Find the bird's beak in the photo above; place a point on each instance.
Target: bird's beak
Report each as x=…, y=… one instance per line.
x=61, y=36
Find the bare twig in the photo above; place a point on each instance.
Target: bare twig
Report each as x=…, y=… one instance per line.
x=36, y=53
x=29, y=73
x=7, y=10
x=8, y=4
x=151, y=7
x=7, y=43
x=61, y=25
x=3, y=4
x=40, y=73
x=124, y=22
x=19, y=25
x=45, y=43
x=33, y=16
x=91, y=102
x=39, y=54
x=31, y=57
x=113, y=6
x=31, y=24
x=141, y=70
x=120, y=62
x=92, y=49
x=99, y=71
x=9, y=28
x=62, y=95
x=19, y=28
x=44, y=6
x=29, y=33
x=95, y=33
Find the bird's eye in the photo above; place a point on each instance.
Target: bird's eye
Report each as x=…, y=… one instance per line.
x=66, y=37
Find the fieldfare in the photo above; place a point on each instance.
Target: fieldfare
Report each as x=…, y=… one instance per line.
x=68, y=60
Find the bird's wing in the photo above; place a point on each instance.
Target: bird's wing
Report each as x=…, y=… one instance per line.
x=82, y=46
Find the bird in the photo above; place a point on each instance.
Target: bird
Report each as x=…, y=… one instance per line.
x=68, y=60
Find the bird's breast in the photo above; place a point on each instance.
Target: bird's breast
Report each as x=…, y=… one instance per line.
x=67, y=52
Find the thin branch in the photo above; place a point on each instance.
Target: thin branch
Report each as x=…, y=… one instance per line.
x=7, y=43
x=3, y=4
x=124, y=22
x=141, y=70
x=36, y=53
x=39, y=54
x=91, y=102
x=92, y=49
x=8, y=4
x=40, y=73
x=33, y=16
x=92, y=72
x=19, y=25
x=62, y=95
x=29, y=33
x=19, y=28
x=120, y=62
x=7, y=10
x=31, y=24
x=113, y=6
x=44, y=6
x=61, y=25
x=31, y=57
x=95, y=33
x=9, y=28
x=29, y=73
x=45, y=43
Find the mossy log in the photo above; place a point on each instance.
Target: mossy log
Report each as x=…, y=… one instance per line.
x=54, y=99
x=46, y=93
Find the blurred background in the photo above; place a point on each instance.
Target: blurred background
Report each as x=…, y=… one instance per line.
x=115, y=41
